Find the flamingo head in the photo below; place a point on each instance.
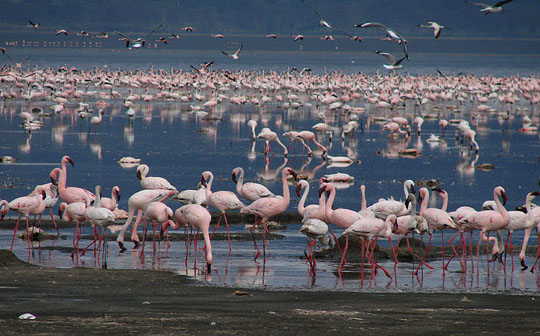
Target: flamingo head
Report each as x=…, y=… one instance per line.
x=203, y=181
x=139, y=175
x=234, y=176
x=68, y=159
x=504, y=197
x=117, y=193
x=289, y=171
x=299, y=188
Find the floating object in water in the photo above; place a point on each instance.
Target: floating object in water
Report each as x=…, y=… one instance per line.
x=129, y=162
x=7, y=159
x=485, y=166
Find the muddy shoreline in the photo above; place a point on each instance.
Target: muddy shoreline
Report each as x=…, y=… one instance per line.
x=82, y=301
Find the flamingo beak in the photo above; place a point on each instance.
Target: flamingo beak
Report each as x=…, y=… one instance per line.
x=413, y=190
x=294, y=175
x=203, y=181
x=71, y=161
x=504, y=197
x=43, y=195
x=60, y=213
x=139, y=175
x=437, y=189
x=118, y=196
x=321, y=191
x=298, y=189
x=234, y=177
x=53, y=181
x=407, y=201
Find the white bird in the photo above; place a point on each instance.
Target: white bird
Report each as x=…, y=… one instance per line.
x=490, y=8
x=393, y=64
x=391, y=34
x=235, y=55
x=436, y=27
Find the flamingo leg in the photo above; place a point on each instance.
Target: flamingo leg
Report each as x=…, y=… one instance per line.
x=55, y=225
x=15, y=232
x=145, y=226
x=258, y=253
x=343, y=261
x=425, y=254
x=228, y=233
x=92, y=243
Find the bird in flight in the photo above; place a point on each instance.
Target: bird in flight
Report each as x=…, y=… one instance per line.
x=393, y=64
x=18, y=65
x=391, y=34
x=202, y=70
x=190, y=29
x=30, y=24
x=490, y=8
x=235, y=55
x=103, y=35
x=298, y=37
x=324, y=23
x=139, y=42
x=61, y=31
x=272, y=36
x=436, y=27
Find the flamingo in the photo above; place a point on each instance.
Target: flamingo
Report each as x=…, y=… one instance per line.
x=491, y=220
x=139, y=201
x=250, y=191
x=487, y=9
x=437, y=219
x=386, y=207
x=199, y=218
x=520, y=220
x=101, y=217
x=235, y=55
x=221, y=200
x=74, y=211
x=51, y=199
x=25, y=206
x=111, y=203
x=156, y=212
x=370, y=227
x=270, y=206
x=393, y=64
x=437, y=28
x=96, y=120
x=252, y=124
x=152, y=182
x=68, y=194
x=306, y=136
x=311, y=211
x=268, y=135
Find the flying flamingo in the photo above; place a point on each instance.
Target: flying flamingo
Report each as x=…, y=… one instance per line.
x=221, y=200
x=25, y=206
x=139, y=201
x=101, y=217
x=250, y=191
x=156, y=212
x=436, y=27
x=235, y=55
x=268, y=207
x=152, y=182
x=69, y=194
x=199, y=218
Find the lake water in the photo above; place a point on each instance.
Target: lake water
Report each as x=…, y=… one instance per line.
x=178, y=145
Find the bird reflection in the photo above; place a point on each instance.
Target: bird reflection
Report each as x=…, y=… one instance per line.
x=268, y=174
x=129, y=134
x=464, y=167
x=25, y=147
x=95, y=147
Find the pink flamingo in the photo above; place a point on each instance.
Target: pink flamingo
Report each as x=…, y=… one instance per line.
x=51, y=199
x=101, y=217
x=386, y=207
x=25, y=206
x=437, y=219
x=77, y=212
x=152, y=182
x=370, y=227
x=306, y=136
x=491, y=220
x=470, y=134
x=313, y=210
x=199, y=218
x=69, y=194
x=252, y=124
x=156, y=212
x=250, y=191
x=221, y=200
x=111, y=203
x=268, y=135
x=139, y=201
x=268, y=207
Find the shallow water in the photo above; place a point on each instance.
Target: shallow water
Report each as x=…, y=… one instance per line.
x=179, y=145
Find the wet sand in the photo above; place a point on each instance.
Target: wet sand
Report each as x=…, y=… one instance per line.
x=85, y=301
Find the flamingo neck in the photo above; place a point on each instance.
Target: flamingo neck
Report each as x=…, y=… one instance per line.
x=286, y=195
x=208, y=246
x=444, y=196
x=425, y=200
x=330, y=202
x=363, y=204
x=209, y=186
x=500, y=207
x=240, y=182
x=301, y=207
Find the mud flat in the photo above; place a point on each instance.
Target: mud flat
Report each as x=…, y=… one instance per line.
x=90, y=301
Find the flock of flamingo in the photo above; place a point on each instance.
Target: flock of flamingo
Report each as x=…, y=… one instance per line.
x=344, y=101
